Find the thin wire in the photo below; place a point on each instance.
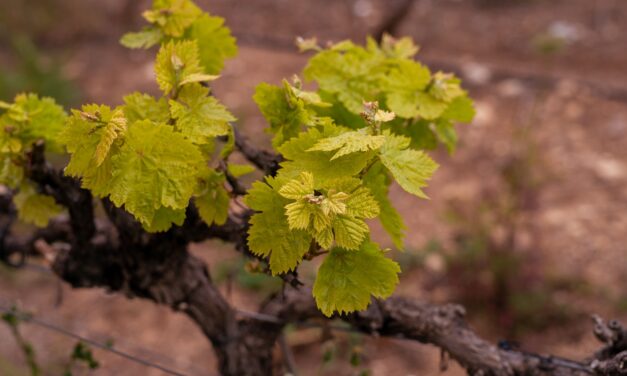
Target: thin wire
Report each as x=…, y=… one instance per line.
x=52, y=327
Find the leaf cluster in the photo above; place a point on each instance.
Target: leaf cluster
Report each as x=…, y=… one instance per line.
x=368, y=124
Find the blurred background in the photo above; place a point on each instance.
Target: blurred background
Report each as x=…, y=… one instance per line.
x=527, y=222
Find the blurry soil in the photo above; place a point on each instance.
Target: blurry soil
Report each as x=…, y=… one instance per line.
x=542, y=68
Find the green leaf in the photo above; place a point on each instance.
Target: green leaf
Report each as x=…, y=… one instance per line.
x=285, y=121
x=111, y=131
x=297, y=188
x=445, y=130
x=346, y=280
x=146, y=38
x=422, y=135
x=238, y=170
x=92, y=136
x=35, y=208
x=199, y=117
x=349, y=232
x=403, y=48
x=198, y=78
x=403, y=85
x=215, y=42
x=164, y=218
x=429, y=107
x=460, y=109
x=172, y=16
x=349, y=142
x=361, y=203
x=377, y=180
x=229, y=144
x=155, y=167
x=319, y=163
x=411, y=168
x=11, y=173
x=299, y=214
x=445, y=87
x=287, y=109
x=176, y=62
x=140, y=106
x=349, y=71
x=32, y=118
x=213, y=202
x=269, y=234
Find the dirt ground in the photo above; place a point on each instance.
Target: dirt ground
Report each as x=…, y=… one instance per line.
x=555, y=71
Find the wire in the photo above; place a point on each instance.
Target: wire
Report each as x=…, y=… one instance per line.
x=103, y=346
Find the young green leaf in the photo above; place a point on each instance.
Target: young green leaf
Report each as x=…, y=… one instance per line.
x=215, y=42
x=90, y=136
x=287, y=109
x=140, y=106
x=33, y=207
x=348, y=71
x=377, y=181
x=164, y=218
x=199, y=117
x=349, y=142
x=172, y=16
x=269, y=234
x=298, y=188
x=349, y=232
x=411, y=168
x=155, y=167
x=213, y=202
x=31, y=118
x=403, y=87
x=111, y=131
x=239, y=170
x=177, y=62
x=146, y=38
x=11, y=173
x=346, y=280
x=319, y=163
x=329, y=214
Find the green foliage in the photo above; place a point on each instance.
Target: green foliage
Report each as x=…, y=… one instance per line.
x=348, y=75
x=329, y=214
x=179, y=20
x=199, y=117
x=213, y=201
x=28, y=119
x=140, y=106
x=84, y=136
x=349, y=142
x=172, y=17
x=338, y=165
x=81, y=353
x=378, y=181
x=215, y=42
x=25, y=121
x=366, y=126
x=346, y=280
x=287, y=109
x=300, y=158
x=33, y=207
x=155, y=168
x=178, y=64
x=411, y=168
x=270, y=235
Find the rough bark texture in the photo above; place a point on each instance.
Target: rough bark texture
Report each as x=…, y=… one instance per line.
x=116, y=254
